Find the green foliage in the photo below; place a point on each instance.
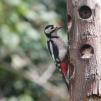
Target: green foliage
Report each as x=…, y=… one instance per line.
x=22, y=25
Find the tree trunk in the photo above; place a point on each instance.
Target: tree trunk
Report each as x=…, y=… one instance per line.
x=84, y=27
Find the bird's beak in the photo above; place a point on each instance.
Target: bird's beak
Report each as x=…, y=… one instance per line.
x=59, y=27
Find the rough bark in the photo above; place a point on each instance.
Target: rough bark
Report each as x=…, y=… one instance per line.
x=84, y=26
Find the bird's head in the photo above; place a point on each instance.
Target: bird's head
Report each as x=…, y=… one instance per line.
x=51, y=30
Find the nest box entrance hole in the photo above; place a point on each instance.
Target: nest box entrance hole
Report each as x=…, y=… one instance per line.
x=86, y=51
x=85, y=12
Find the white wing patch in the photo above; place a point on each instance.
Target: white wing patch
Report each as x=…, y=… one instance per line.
x=51, y=49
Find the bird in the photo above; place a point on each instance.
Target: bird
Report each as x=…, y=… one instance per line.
x=87, y=52
x=58, y=50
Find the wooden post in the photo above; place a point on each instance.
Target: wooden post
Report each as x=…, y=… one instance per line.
x=84, y=27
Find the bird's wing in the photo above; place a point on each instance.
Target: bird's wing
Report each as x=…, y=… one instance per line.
x=53, y=49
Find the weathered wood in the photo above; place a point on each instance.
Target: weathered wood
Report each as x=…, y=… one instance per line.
x=84, y=26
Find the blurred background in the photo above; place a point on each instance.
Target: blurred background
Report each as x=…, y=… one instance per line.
x=27, y=72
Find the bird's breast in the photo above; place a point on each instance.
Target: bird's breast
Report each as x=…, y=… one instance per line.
x=62, y=53
x=61, y=47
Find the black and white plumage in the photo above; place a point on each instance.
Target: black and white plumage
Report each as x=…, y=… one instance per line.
x=58, y=50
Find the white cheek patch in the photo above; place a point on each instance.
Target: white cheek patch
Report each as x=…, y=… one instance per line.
x=48, y=31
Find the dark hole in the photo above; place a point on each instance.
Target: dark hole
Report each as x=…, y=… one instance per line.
x=85, y=12
x=69, y=22
x=86, y=51
x=71, y=70
x=69, y=18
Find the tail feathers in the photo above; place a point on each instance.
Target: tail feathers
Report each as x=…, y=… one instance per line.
x=66, y=81
x=68, y=72
x=65, y=72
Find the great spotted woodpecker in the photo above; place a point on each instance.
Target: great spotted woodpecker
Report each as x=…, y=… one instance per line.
x=58, y=50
